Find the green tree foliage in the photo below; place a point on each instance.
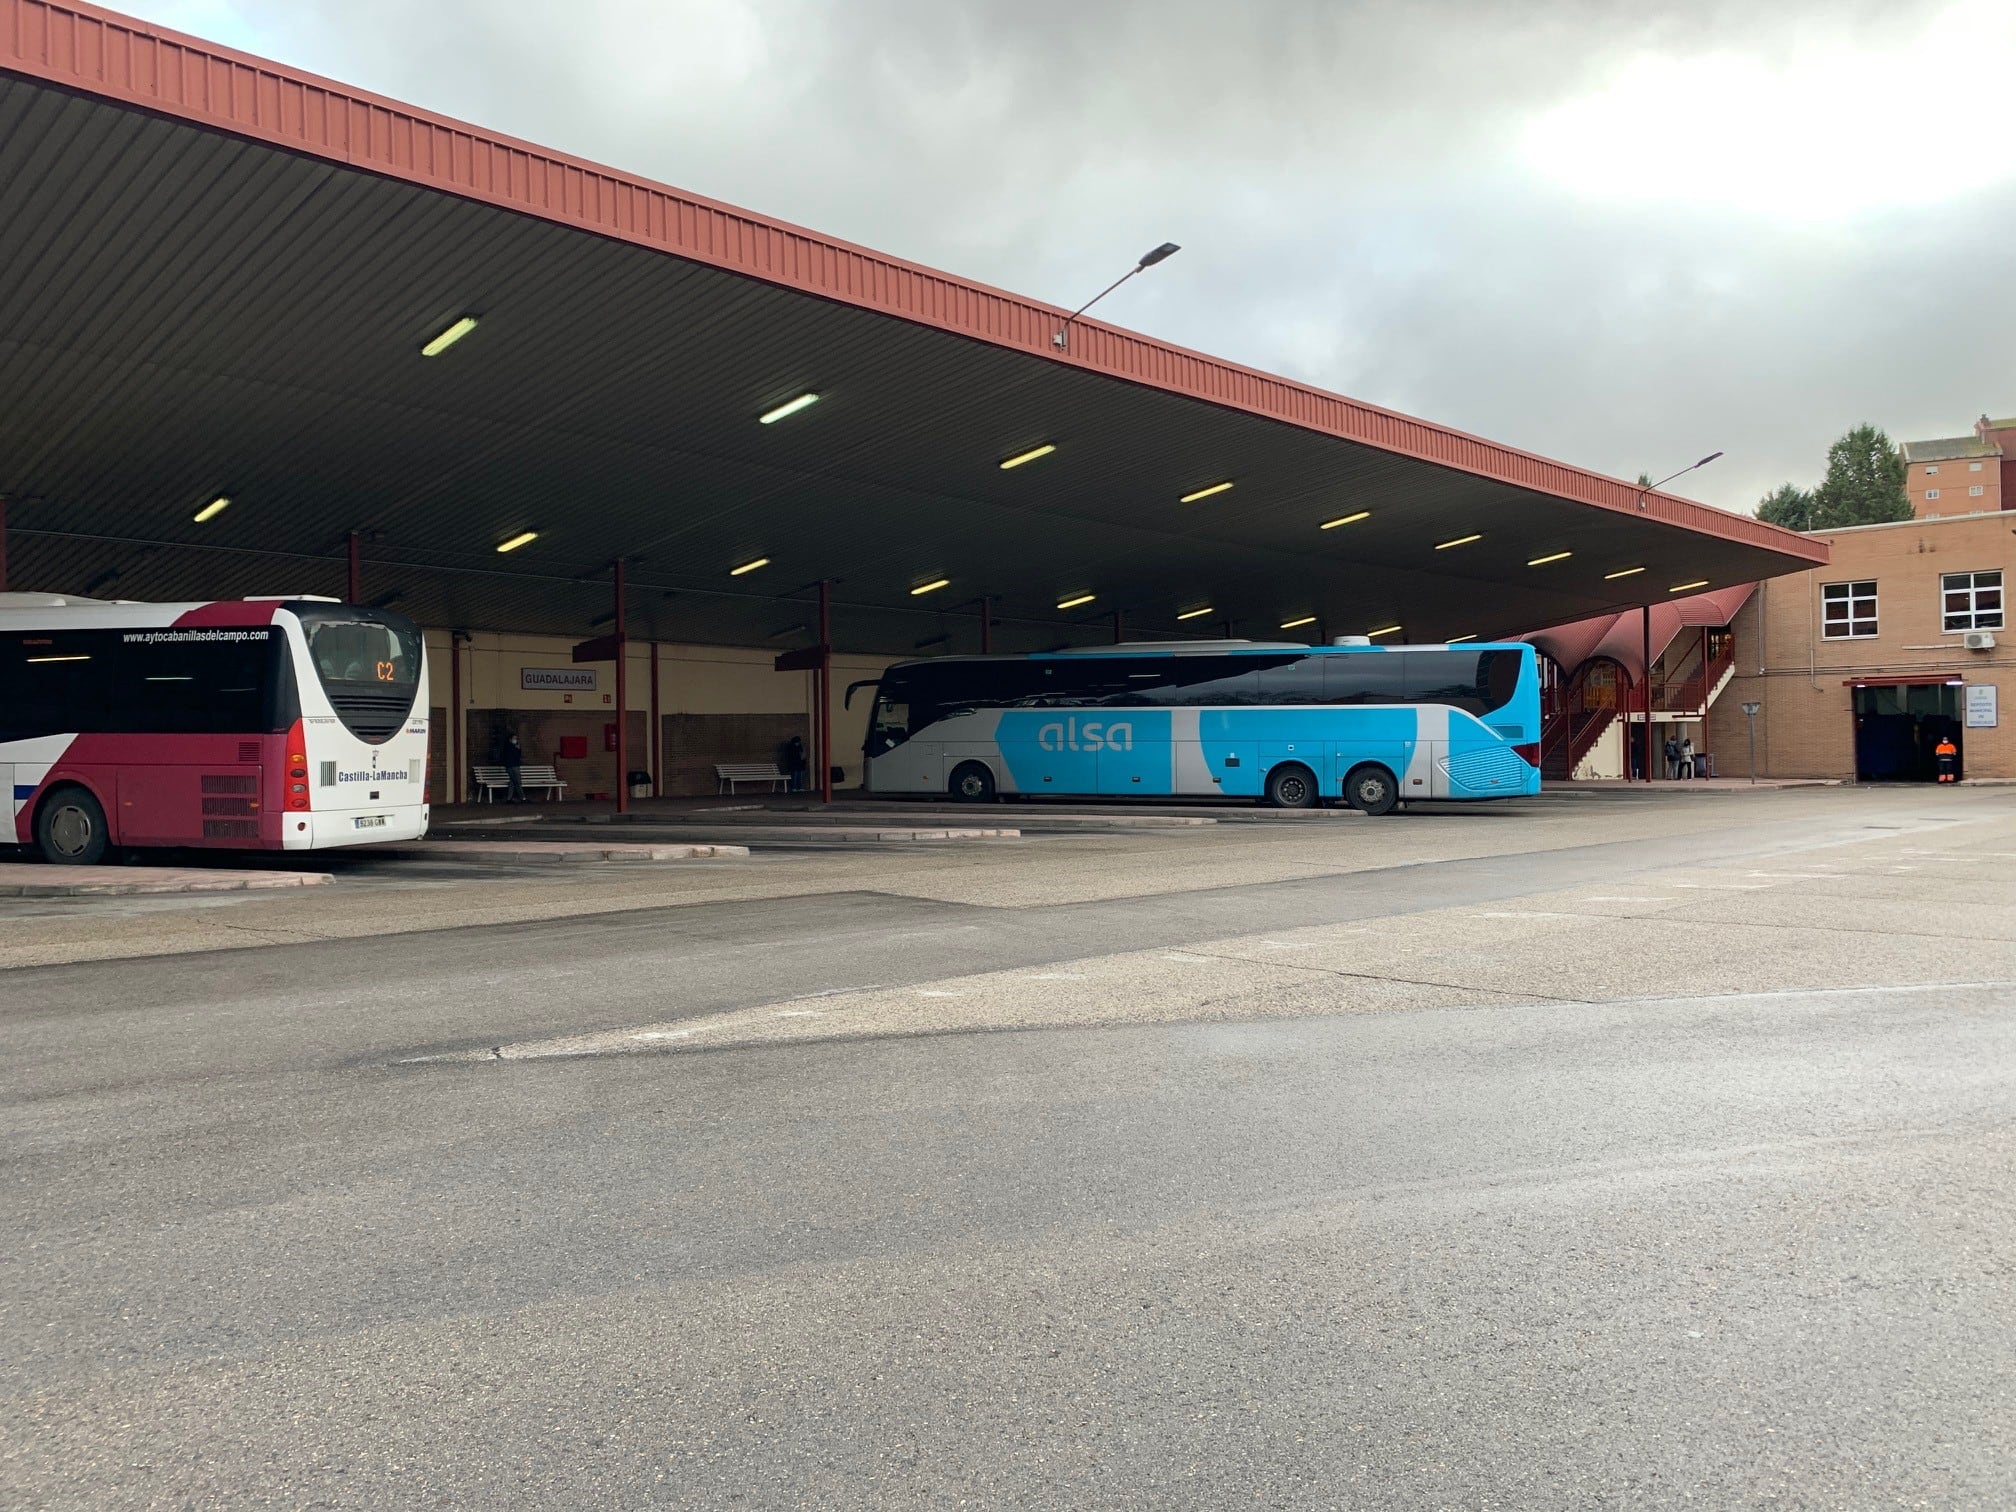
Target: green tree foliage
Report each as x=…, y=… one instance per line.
x=1787, y=506
x=1864, y=483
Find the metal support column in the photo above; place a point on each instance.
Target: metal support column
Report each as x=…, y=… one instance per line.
x=1645, y=651
x=657, y=732
x=622, y=732
x=825, y=686
x=458, y=769
x=986, y=625
x=3, y=543
x=1119, y=633
x=354, y=589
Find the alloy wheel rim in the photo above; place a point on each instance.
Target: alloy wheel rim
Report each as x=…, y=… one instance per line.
x=70, y=830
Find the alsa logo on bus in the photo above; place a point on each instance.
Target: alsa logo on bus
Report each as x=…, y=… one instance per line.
x=1093, y=735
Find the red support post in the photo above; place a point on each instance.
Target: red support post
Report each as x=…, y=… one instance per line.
x=657, y=732
x=986, y=623
x=622, y=734
x=825, y=685
x=355, y=585
x=1645, y=650
x=457, y=773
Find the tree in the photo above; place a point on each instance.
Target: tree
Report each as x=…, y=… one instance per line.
x=1644, y=480
x=1787, y=506
x=1864, y=483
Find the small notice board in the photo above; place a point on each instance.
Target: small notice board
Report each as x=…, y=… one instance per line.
x=1980, y=706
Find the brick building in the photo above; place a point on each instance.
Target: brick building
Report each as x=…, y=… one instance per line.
x=1863, y=664
x=1960, y=475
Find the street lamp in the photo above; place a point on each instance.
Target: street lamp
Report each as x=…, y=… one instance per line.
x=1750, y=712
x=1655, y=487
x=1062, y=339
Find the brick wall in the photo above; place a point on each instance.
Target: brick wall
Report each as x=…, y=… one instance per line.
x=1784, y=662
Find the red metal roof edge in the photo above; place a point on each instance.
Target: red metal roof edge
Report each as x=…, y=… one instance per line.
x=90, y=50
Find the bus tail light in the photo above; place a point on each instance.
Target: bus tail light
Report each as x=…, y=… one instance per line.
x=297, y=770
x=1530, y=754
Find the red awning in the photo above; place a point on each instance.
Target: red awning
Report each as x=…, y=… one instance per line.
x=1620, y=637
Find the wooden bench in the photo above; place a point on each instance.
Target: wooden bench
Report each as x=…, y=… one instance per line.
x=729, y=773
x=491, y=780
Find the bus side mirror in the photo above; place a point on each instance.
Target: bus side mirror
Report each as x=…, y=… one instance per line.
x=848, y=701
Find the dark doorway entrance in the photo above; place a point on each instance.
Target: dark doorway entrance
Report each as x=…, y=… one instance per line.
x=1897, y=727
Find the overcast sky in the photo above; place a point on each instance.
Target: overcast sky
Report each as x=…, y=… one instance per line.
x=1618, y=234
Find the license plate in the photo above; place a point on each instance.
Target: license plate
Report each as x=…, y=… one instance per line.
x=369, y=821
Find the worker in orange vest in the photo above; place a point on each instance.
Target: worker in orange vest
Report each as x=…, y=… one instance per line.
x=1949, y=759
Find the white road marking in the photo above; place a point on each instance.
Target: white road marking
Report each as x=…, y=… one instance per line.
x=1606, y=898
x=800, y=1013
x=926, y=992
x=1723, y=886
x=1058, y=976
x=1525, y=913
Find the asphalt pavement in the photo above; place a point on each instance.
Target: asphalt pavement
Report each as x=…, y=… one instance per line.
x=1665, y=1169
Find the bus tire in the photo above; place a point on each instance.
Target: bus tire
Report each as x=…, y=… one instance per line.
x=1292, y=786
x=972, y=782
x=70, y=828
x=1373, y=789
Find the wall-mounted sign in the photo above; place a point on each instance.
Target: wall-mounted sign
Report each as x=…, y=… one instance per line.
x=1980, y=706
x=551, y=679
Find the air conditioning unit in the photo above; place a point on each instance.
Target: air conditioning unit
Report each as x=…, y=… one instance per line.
x=1978, y=640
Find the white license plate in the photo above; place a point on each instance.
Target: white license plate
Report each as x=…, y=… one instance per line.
x=369, y=821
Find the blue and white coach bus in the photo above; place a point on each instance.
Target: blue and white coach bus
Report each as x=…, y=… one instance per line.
x=1290, y=725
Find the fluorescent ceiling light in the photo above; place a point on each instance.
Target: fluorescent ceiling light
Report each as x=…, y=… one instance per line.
x=1622, y=572
x=1028, y=456
x=1685, y=587
x=787, y=409
x=1297, y=624
x=1073, y=603
x=1350, y=519
x=1383, y=630
x=931, y=587
x=520, y=539
x=748, y=566
x=1459, y=541
x=1204, y=493
x=1189, y=614
x=1559, y=556
x=449, y=337
x=1459, y=639
x=33, y=660
x=213, y=509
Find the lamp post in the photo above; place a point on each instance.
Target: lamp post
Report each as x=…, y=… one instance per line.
x=1062, y=340
x=1750, y=712
x=1645, y=610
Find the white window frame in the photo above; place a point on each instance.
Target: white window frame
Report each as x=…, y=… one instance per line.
x=1932, y=470
x=1973, y=467
x=1976, y=491
x=1854, y=625
x=1931, y=493
x=1973, y=616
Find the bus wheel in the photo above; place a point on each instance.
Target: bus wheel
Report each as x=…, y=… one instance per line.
x=70, y=828
x=972, y=783
x=1291, y=787
x=1372, y=789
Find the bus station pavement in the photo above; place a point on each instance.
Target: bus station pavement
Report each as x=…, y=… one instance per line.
x=1648, y=1152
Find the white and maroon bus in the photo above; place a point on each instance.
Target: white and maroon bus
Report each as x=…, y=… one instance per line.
x=260, y=724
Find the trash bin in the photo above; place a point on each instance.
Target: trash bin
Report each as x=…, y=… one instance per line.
x=640, y=784
x=1704, y=764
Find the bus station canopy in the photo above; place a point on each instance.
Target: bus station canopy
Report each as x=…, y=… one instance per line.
x=222, y=273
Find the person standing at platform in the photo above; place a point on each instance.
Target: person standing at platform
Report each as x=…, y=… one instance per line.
x=1948, y=755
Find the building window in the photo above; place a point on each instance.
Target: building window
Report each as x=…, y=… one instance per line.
x=1931, y=493
x=1930, y=471
x=1973, y=467
x=1974, y=492
x=1971, y=600
x=1848, y=610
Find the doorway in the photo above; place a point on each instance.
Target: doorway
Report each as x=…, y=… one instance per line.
x=1898, y=726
